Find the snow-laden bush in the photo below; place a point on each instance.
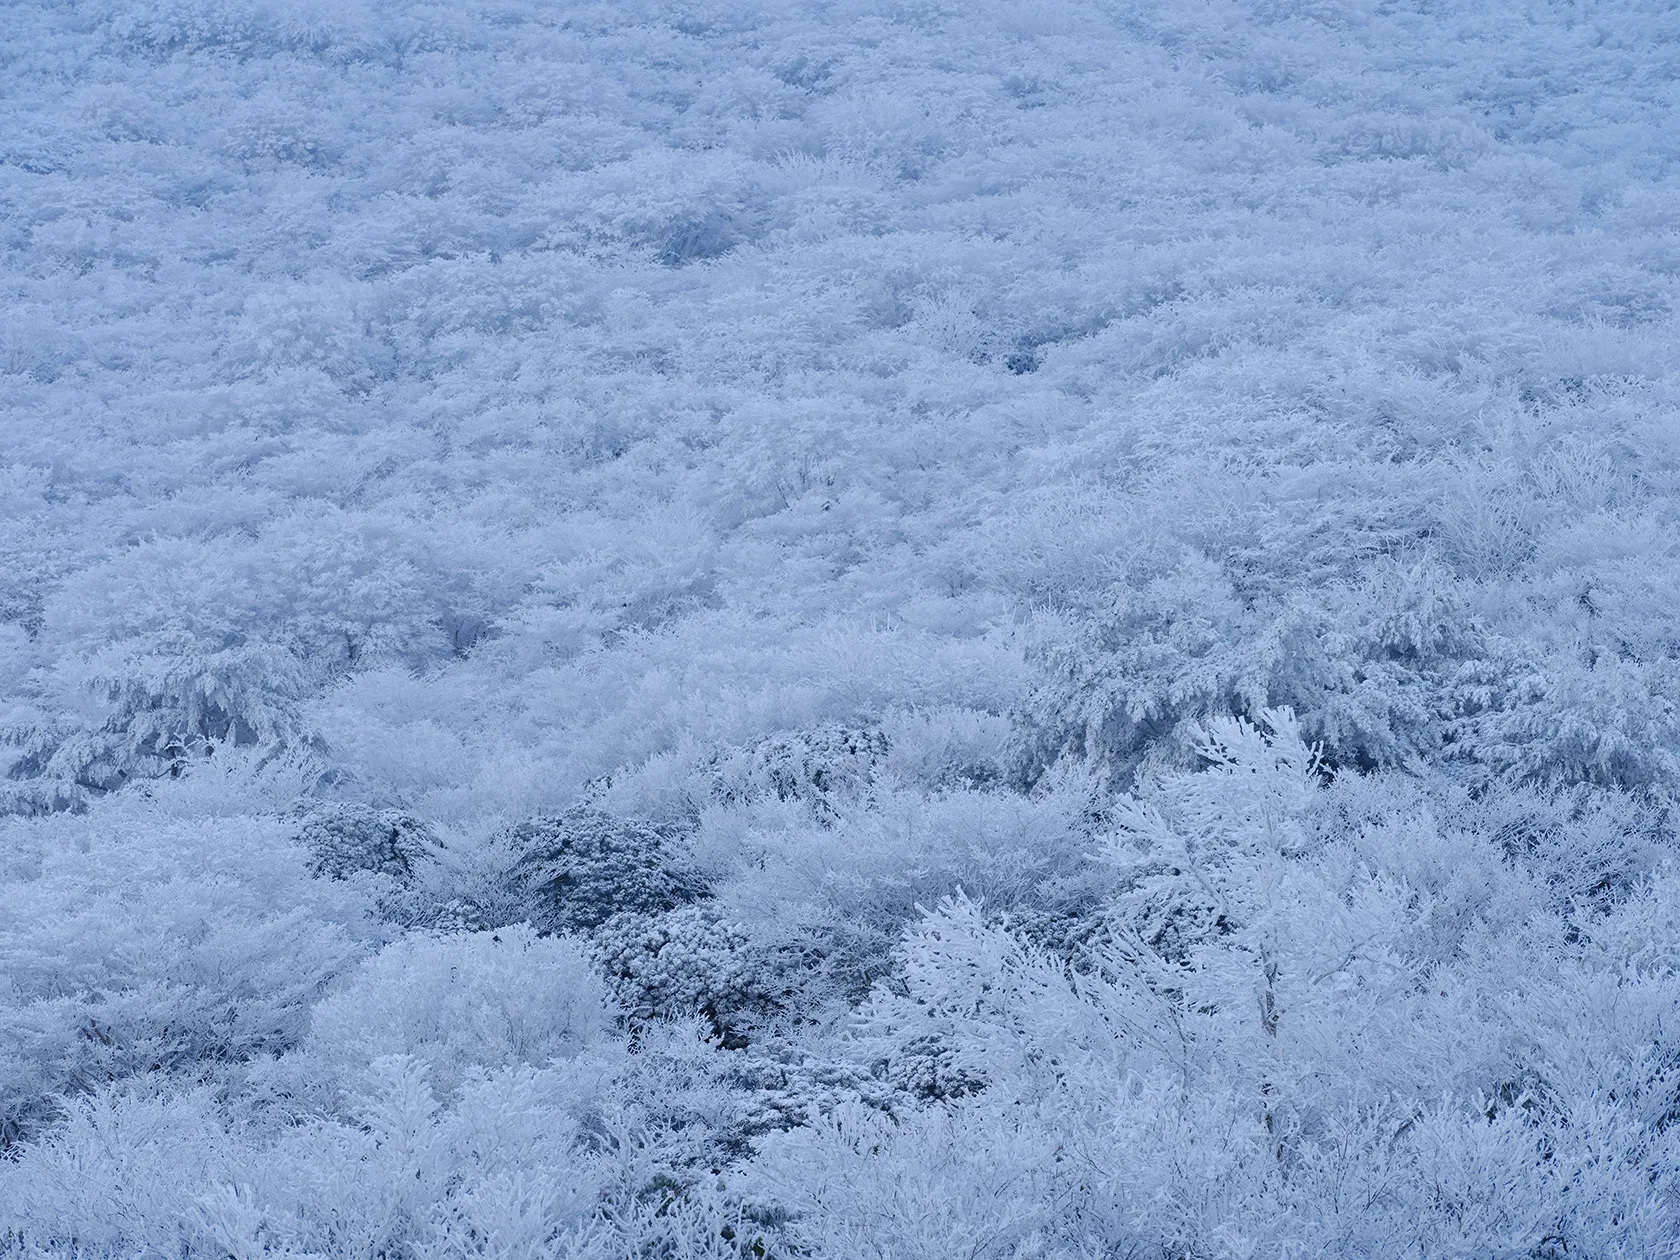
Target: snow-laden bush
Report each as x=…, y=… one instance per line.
x=171, y=939
x=459, y=1093
x=342, y=839
x=1394, y=670
x=516, y=1161
x=580, y=869
x=1380, y=1041
x=825, y=768
x=457, y=1003
x=690, y=961
x=957, y=414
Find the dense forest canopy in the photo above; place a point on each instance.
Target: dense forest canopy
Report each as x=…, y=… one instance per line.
x=839, y=628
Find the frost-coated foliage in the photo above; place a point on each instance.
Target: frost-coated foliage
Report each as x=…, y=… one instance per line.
x=1374, y=1041
x=682, y=628
x=580, y=869
x=343, y=839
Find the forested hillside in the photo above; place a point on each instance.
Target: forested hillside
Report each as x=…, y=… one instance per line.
x=839, y=628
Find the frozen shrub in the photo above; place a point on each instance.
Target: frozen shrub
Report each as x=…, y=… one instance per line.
x=346, y=838
x=169, y=709
x=784, y=1085
x=949, y=748
x=116, y=1177
x=858, y=1181
x=747, y=979
x=690, y=961
x=463, y=1002
x=1165, y=650
x=823, y=767
x=519, y=1162
x=1591, y=846
x=1391, y=670
x=700, y=237
x=1367, y=1037
x=144, y=940
x=581, y=868
x=953, y=416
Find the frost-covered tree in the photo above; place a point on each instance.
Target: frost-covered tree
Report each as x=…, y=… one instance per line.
x=696, y=629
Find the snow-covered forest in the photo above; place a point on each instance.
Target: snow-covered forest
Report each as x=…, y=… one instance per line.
x=916, y=629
